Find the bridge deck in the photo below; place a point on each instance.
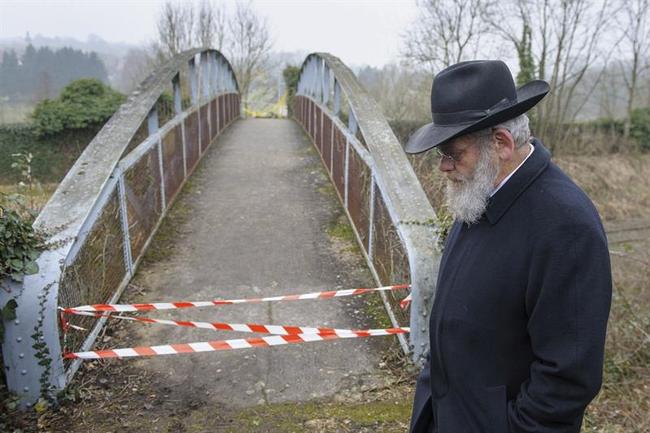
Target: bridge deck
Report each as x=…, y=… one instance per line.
x=256, y=222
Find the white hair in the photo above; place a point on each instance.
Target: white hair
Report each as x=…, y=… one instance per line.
x=518, y=127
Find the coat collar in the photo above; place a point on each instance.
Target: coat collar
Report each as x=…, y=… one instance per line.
x=500, y=202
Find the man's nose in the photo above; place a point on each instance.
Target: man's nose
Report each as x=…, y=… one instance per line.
x=446, y=164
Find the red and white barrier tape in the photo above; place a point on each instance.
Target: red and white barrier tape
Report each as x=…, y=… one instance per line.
x=404, y=303
x=238, y=327
x=190, y=304
x=282, y=334
x=211, y=346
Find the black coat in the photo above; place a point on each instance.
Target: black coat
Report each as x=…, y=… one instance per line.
x=518, y=324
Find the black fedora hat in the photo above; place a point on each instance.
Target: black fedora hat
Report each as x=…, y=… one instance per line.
x=470, y=96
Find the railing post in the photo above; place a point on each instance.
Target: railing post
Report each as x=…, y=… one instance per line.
x=347, y=171
x=153, y=129
x=217, y=91
x=371, y=218
x=178, y=108
x=194, y=92
x=337, y=98
x=320, y=86
x=205, y=86
x=152, y=121
x=124, y=219
x=310, y=117
x=220, y=87
x=331, y=146
x=352, y=127
x=193, y=81
x=163, y=194
x=325, y=85
x=220, y=76
x=352, y=122
x=178, y=98
x=214, y=76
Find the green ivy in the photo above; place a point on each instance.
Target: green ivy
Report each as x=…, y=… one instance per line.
x=43, y=352
x=20, y=243
x=8, y=312
x=441, y=224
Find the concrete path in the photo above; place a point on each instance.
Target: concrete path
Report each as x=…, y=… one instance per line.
x=258, y=209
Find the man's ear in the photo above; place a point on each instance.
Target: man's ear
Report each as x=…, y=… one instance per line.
x=505, y=144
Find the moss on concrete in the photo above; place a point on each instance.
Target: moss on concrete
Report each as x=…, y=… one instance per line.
x=315, y=416
x=375, y=309
x=376, y=416
x=342, y=230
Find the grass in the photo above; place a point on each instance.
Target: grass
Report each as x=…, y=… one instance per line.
x=15, y=113
x=37, y=198
x=624, y=402
x=618, y=184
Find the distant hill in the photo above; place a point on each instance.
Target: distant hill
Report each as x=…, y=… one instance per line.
x=112, y=54
x=92, y=43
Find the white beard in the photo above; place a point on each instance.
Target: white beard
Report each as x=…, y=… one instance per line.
x=467, y=197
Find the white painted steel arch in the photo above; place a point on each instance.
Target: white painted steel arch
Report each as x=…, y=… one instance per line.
x=32, y=350
x=410, y=211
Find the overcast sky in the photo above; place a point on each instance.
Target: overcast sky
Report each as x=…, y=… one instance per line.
x=357, y=31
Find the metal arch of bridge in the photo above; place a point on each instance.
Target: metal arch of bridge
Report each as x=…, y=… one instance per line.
x=100, y=221
x=376, y=185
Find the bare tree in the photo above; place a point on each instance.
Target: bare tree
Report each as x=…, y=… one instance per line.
x=210, y=25
x=633, y=22
x=185, y=25
x=402, y=92
x=609, y=96
x=565, y=39
x=242, y=35
x=175, y=27
x=248, y=48
x=136, y=65
x=446, y=32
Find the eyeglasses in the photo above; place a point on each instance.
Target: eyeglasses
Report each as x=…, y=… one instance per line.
x=453, y=156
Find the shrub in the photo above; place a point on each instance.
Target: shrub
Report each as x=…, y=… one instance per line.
x=291, y=76
x=53, y=155
x=82, y=104
x=640, y=127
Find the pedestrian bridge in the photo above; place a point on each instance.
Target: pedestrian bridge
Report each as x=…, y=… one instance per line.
x=257, y=226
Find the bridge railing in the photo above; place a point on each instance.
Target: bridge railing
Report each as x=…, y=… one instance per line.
x=106, y=210
x=387, y=208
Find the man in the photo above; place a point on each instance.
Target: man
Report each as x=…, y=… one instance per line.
x=517, y=329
